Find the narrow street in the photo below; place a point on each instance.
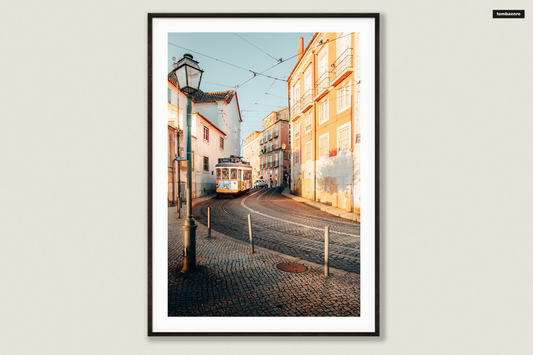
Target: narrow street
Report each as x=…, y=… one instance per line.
x=231, y=281
x=286, y=226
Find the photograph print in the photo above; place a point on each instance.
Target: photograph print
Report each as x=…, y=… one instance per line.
x=263, y=168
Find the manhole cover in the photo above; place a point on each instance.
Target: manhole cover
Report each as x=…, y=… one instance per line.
x=292, y=267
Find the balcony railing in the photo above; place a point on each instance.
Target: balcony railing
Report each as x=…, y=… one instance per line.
x=322, y=85
x=295, y=109
x=307, y=100
x=342, y=66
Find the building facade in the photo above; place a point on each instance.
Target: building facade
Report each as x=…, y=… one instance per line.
x=251, y=152
x=215, y=133
x=275, y=148
x=325, y=125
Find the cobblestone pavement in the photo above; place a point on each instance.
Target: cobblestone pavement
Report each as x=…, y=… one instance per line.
x=233, y=282
x=286, y=226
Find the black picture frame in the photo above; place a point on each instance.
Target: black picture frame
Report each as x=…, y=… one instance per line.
x=376, y=144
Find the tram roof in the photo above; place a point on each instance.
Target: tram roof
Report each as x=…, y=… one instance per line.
x=233, y=165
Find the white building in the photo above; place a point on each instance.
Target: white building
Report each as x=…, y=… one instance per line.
x=215, y=131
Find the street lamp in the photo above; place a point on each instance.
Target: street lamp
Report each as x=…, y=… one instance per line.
x=189, y=76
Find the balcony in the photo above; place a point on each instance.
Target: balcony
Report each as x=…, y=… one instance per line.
x=342, y=67
x=295, y=110
x=307, y=101
x=322, y=86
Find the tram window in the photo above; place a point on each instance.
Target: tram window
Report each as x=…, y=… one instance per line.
x=225, y=173
x=234, y=174
x=240, y=174
x=218, y=173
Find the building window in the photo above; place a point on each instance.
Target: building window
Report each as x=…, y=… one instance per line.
x=297, y=96
x=222, y=143
x=343, y=134
x=308, y=122
x=276, y=144
x=307, y=84
x=169, y=96
x=276, y=161
x=206, y=134
x=343, y=46
x=323, y=112
x=296, y=130
x=270, y=147
x=276, y=133
x=297, y=156
x=343, y=97
x=322, y=71
x=270, y=161
x=324, y=145
x=206, y=164
x=308, y=152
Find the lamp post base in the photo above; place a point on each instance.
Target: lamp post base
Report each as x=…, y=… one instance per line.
x=189, y=246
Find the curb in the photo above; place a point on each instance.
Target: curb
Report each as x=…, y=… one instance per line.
x=318, y=206
x=203, y=199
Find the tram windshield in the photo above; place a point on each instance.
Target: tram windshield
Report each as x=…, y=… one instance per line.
x=240, y=174
x=225, y=174
x=218, y=174
x=234, y=174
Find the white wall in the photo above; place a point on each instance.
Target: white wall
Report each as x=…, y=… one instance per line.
x=232, y=126
x=205, y=182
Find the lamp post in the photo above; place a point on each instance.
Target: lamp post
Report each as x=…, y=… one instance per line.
x=189, y=76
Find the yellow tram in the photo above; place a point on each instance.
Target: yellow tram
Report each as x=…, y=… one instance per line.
x=234, y=176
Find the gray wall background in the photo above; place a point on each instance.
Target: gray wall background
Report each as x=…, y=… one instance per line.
x=456, y=133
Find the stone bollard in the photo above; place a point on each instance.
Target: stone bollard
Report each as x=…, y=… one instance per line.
x=326, y=252
x=251, y=234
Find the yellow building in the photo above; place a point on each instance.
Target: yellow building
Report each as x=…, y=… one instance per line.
x=325, y=124
x=251, y=151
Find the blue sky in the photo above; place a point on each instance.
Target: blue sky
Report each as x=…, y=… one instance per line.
x=250, y=51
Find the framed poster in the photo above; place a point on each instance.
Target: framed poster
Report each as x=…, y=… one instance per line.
x=263, y=166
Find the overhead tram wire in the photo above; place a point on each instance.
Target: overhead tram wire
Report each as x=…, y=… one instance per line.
x=227, y=86
x=277, y=60
x=233, y=65
x=283, y=61
x=253, y=72
x=281, y=97
x=256, y=102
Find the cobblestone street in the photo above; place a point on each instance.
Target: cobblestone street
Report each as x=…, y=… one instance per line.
x=231, y=281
